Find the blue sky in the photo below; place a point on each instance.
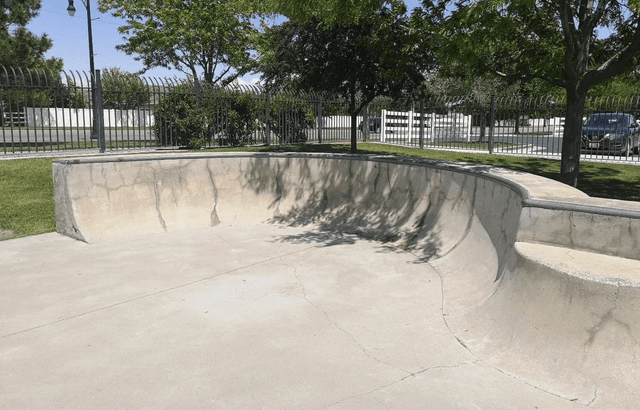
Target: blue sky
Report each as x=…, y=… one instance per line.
x=70, y=42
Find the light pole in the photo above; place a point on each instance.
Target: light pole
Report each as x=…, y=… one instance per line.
x=95, y=132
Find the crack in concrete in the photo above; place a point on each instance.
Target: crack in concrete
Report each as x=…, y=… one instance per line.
x=238, y=246
x=156, y=189
x=593, y=332
x=571, y=226
x=533, y=224
x=595, y=397
x=631, y=235
x=568, y=254
x=470, y=220
x=215, y=219
x=334, y=324
x=412, y=374
x=479, y=360
x=159, y=292
x=373, y=192
x=279, y=192
x=376, y=180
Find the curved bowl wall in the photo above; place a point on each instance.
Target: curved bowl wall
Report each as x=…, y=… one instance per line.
x=533, y=281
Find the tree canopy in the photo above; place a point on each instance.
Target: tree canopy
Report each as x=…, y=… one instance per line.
x=209, y=39
x=381, y=55
x=19, y=48
x=124, y=90
x=572, y=44
x=329, y=11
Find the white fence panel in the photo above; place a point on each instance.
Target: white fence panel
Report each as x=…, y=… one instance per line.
x=128, y=118
x=339, y=121
x=557, y=124
x=82, y=117
x=539, y=122
x=451, y=127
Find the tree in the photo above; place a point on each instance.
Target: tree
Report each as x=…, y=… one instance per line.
x=379, y=56
x=328, y=11
x=572, y=44
x=211, y=39
x=22, y=60
x=19, y=48
x=66, y=95
x=123, y=90
x=622, y=86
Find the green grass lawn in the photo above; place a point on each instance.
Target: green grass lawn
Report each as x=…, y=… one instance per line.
x=26, y=197
x=26, y=185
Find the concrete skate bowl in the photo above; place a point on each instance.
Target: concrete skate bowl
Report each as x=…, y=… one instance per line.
x=539, y=281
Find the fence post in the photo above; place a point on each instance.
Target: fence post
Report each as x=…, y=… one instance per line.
x=365, y=122
x=100, y=113
x=492, y=119
x=267, y=115
x=421, y=124
x=196, y=91
x=410, y=124
x=432, y=127
x=320, y=120
x=383, y=125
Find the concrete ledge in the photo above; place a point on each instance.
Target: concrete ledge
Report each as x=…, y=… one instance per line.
x=501, y=240
x=589, y=227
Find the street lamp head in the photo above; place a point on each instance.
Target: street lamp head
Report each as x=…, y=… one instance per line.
x=71, y=10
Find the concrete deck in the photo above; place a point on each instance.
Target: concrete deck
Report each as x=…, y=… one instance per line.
x=261, y=317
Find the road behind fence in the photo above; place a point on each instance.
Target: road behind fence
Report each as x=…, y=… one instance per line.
x=43, y=111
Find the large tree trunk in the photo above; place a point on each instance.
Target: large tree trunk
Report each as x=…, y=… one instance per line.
x=571, y=138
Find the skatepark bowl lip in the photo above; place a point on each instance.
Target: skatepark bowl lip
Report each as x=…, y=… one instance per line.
x=539, y=280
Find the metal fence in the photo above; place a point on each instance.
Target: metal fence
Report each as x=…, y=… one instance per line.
x=516, y=126
x=44, y=111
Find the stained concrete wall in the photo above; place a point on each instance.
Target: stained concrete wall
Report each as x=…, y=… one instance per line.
x=539, y=280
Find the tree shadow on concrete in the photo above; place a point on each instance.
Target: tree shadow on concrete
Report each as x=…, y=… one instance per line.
x=353, y=199
x=611, y=181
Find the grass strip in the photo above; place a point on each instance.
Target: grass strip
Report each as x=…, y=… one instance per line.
x=72, y=145
x=26, y=197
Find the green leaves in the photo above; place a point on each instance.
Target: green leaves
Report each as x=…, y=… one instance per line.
x=331, y=12
x=211, y=39
x=19, y=47
x=555, y=41
x=380, y=57
x=123, y=90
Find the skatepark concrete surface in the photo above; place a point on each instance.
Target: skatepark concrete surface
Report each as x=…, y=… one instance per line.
x=259, y=317
x=296, y=281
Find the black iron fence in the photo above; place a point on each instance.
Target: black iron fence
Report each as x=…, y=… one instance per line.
x=44, y=111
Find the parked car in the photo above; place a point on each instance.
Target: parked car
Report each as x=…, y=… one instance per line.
x=611, y=131
x=374, y=124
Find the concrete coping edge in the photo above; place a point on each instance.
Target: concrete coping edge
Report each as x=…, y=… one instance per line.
x=484, y=171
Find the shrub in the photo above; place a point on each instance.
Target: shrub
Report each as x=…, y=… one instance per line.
x=239, y=118
x=290, y=118
x=176, y=119
x=227, y=117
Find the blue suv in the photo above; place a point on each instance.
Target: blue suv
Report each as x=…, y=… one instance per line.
x=611, y=131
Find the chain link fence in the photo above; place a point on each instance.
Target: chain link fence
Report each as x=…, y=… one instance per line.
x=56, y=111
